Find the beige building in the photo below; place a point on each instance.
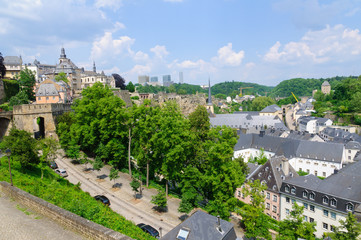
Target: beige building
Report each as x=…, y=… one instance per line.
x=326, y=87
x=272, y=110
x=13, y=65
x=50, y=91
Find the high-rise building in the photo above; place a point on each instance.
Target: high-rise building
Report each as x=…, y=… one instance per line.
x=180, y=77
x=167, y=80
x=154, y=79
x=143, y=79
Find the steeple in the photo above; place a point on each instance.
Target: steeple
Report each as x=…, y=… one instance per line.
x=62, y=55
x=209, y=93
x=94, y=68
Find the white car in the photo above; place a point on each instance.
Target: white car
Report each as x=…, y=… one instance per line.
x=61, y=172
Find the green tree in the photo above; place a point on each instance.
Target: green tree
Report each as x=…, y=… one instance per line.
x=294, y=227
x=49, y=148
x=260, y=159
x=260, y=103
x=20, y=98
x=98, y=164
x=27, y=83
x=135, y=185
x=172, y=89
x=255, y=221
x=199, y=122
x=160, y=200
x=23, y=147
x=350, y=229
x=114, y=174
x=130, y=87
x=62, y=77
x=221, y=96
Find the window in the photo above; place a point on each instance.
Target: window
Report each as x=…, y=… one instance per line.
x=53, y=97
x=316, y=163
x=312, y=208
x=332, y=228
x=293, y=190
x=300, y=169
x=39, y=98
x=349, y=151
x=274, y=217
x=308, y=170
x=325, y=200
x=305, y=218
x=305, y=205
x=312, y=196
x=274, y=198
x=287, y=211
x=287, y=189
x=315, y=173
x=239, y=193
x=287, y=199
x=324, y=174
x=312, y=220
x=183, y=234
x=349, y=207
x=274, y=208
x=268, y=195
x=304, y=194
x=47, y=98
x=324, y=165
x=268, y=206
x=325, y=226
x=333, y=202
x=333, y=215
x=325, y=213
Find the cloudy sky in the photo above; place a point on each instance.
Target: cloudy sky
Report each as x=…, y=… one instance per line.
x=263, y=41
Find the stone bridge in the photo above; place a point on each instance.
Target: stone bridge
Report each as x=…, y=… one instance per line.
x=38, y=119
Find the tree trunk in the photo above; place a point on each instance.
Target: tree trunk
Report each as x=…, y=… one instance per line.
x=166, y=188
x=130, y=139
x=148, y=173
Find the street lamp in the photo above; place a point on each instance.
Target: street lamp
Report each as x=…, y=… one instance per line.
x=8, y=153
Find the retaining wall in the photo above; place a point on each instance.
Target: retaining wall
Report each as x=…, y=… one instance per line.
x=81, y=225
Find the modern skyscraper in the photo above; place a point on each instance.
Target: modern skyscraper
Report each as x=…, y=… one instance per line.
x=143, y=79
x=154, y=79
x=180, y=77
x=167, y=80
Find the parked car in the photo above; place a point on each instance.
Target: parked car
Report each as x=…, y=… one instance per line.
x=102, y=199
x=149, y=229
x=61, y=172
x=53, y=165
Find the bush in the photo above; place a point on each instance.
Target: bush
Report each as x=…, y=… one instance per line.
x=135, y=98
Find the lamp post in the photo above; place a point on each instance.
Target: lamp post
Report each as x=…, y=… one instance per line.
x=8, y=153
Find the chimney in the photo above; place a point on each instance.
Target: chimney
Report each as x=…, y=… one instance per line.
x=285, y=166
x=261, y=133
x=219, y=224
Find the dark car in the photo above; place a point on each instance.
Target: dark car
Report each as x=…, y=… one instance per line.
x=102, y=199
x=53, y=165
x=149, y=229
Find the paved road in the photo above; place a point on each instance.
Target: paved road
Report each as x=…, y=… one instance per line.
x=18, y=222
x=122, y=198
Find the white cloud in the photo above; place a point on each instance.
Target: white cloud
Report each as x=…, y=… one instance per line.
x=159, y=51
x=227, y=57
x=112, y=4
x=21, y=9
x=140, y=56
x=118, y=26
x=140, y=70
x=331, y=44
x=107, y=46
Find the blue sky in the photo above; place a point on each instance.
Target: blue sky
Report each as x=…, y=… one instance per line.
x=263, y=41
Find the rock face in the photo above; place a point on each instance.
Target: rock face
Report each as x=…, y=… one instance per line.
x=187, y=103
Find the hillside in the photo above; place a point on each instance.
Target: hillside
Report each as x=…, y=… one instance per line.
x=302, y=86
x=232, y=88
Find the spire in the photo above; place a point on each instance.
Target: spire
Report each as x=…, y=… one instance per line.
x=62, y=55
x=94, y=68
x=209, y=92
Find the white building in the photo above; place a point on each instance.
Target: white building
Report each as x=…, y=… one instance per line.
x=313, y=124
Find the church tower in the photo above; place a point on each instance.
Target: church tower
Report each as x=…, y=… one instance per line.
x=94, y=68
x=62, y=54
x=209, y=105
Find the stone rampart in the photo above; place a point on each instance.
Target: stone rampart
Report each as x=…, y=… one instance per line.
x=81, y=225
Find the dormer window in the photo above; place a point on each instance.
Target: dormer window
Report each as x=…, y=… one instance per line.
x=333, y=202
x=312, y=196
x=349, y=207
x=305, y=194
x=287, y=189
x=325, y=200
x=293, y=190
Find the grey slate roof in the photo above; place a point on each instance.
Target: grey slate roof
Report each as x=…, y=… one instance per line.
x=338, y=135
x=323, y=151
x=344, y=186
x=12, y=60
x=202, y=225
x=325, y=83
x=271, y=173
x=47, y=89
x=353, y=145
x=271, y=109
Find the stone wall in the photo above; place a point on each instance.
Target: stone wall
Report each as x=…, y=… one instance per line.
x=81, y=225
x=2, y=92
